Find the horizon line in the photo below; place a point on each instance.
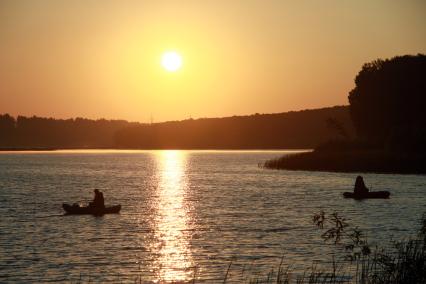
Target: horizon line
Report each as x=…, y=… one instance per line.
x=177, y=120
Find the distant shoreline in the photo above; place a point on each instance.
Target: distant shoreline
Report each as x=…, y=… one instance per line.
x=17, y=149
x=40, y=149
x=257, y=131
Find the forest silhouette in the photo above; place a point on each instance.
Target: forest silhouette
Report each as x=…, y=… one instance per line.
x=387, y=108
x=291, y=130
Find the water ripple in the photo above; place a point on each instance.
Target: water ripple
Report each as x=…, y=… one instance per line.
x=183, y=212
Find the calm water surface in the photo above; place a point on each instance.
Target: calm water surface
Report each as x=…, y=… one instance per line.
x=183, y=212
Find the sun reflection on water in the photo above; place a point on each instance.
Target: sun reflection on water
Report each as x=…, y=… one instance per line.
x=174, y=256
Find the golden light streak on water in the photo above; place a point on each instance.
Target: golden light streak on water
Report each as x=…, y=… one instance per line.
x=175, y=260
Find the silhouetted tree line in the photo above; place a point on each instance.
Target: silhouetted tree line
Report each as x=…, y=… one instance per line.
x=38, y=132
x=388, y=103
x=301, y=129
x=388, y=111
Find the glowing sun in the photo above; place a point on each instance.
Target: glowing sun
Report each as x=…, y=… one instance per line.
x=171, y=61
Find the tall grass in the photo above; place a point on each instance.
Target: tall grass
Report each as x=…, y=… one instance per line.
x=352, y=156
x=402, y=262
x=351, y=161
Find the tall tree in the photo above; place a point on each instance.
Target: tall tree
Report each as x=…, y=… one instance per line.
x=388, y=103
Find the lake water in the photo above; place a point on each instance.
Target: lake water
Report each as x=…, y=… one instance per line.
x=183, y=212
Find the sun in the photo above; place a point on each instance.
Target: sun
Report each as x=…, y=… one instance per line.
x=171, y=61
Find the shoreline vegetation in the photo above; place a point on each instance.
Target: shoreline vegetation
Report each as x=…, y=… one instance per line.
x=387, y=111
x=351, y=160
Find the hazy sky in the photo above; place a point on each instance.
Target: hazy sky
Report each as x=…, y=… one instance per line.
x=101, y=59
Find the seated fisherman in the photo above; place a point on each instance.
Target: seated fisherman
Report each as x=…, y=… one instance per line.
x=98, y=200
x=360, y=187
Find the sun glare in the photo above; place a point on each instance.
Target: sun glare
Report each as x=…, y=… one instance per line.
x=174, y=255
x=171, y=61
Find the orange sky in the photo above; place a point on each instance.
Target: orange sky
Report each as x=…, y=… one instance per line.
x=101, y=59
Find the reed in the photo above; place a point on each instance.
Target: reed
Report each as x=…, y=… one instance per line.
x=377, y=161
x=399, y=263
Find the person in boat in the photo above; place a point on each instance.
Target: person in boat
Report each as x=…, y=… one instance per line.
x=98, y=200
x=360, y=187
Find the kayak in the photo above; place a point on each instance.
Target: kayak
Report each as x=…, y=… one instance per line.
x=78, y=210
x=371, y=194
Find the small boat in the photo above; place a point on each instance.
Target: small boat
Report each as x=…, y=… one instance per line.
x=371, y=194
x=76, y=209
